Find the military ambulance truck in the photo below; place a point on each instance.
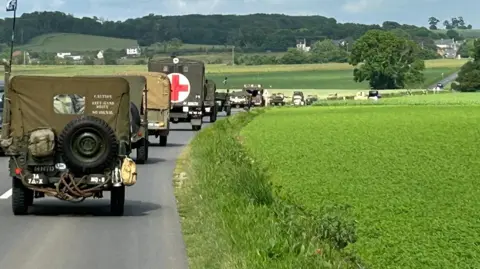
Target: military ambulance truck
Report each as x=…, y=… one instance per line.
x=187, y=80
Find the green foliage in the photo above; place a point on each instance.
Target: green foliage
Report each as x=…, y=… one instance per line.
x=468, y=79
x=408, y=182
x=386, y=61
x=250, y=33
x=232, y=219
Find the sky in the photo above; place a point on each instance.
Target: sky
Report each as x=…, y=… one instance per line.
x=414, y=12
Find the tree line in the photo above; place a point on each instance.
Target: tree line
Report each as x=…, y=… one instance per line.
x=250, y=33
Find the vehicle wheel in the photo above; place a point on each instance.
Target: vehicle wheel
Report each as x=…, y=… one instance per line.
x=213, y=116
x=142, y=151
x=196, y=127
x=117, y=201
x=163, y=140
x=88, y=145
x=229, y=110
x=20, y=197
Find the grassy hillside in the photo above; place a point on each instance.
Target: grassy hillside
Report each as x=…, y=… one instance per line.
x=76, y=43
x=471, y=33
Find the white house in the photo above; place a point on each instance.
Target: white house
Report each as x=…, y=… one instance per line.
x=76, y=57
x=63, y=54
x=302, y=45
x=133, y=51
x=100, y=55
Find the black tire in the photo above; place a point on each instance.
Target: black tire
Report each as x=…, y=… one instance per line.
x=196, y=127
x=142, y=152
x=20, y=197
x=135, y=118
x=213, y=116
x=102, y=140
x=117, y=201
x=163, y=140
x=229, y=110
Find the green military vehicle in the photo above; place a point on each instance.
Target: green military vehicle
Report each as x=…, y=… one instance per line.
x=311, y=99
x=298, y=99
x=139, y=127
x=70, y=138
x=257, y=100
x=188, y=91
x=239, y=99
x=223, y=102
x=277, y=99
x=158, y=104
x=209, y=104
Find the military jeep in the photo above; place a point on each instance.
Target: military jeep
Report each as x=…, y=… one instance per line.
x=68, y=137
x=209, y=104
x=223, y=102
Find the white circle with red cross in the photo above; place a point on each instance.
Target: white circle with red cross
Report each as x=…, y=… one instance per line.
x=180, y=87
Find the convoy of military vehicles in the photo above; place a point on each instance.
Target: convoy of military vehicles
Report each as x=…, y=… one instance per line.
x=74, y=140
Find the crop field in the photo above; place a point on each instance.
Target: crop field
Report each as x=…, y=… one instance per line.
x=76, y=43
x=407, y=168
x=310, y=76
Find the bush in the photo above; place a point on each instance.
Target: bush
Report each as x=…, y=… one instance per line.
x=232, y=218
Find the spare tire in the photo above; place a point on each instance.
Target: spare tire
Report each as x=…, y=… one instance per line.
x=135, y=118
x=88, y=145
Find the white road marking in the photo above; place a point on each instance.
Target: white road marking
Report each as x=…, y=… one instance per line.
x=6, y=195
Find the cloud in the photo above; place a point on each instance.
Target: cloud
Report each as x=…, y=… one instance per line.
x=361, y=5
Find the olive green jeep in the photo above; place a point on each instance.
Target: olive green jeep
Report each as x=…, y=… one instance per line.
x=68, y=137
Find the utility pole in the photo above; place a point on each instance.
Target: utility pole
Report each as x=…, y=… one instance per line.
x=233, y=55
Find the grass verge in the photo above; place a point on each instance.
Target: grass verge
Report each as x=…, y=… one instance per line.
x=231, y=218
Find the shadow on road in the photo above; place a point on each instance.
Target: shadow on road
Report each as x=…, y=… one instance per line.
x=60, y=208
x=152, y=160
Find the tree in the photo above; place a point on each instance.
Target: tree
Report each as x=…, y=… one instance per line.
x=452, y=34
x=386, y=61
x=447, y=25
x=432, y=21
x=468, y=79
x=294, y=56
x=326, y=51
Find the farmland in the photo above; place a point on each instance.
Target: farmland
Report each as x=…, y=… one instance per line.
x=313, y=76
x=466, y=33
x=408, y=173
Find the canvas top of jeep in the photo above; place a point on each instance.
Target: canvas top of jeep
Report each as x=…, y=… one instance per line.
x=79, y=125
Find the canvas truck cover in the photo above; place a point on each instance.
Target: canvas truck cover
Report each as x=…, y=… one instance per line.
x=32, y=102
x=158, y=86
x=186, y=78
x=211, y=88
x=136, y=85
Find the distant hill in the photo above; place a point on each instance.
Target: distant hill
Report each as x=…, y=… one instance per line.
x=466, y=33
x=62, y=42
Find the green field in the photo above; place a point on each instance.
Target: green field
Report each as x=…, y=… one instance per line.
x=334, y=76
x=467, y=33
x=76, y=43
x=406, y=168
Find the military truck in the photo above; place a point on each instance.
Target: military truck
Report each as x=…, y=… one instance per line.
x=209, y=104
x=69, y=138
x=239, y=99
x=298, y=99
x=188, y=91
x=158, y=104
x=223, y=102
x=277, y=99
x=139, y=120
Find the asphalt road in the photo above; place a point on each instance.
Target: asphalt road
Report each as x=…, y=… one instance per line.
x=62, y=235
x=445, y=80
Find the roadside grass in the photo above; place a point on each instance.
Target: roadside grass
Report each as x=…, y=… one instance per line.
x=408, y=173
x=321, y=76
x=232, y=219
x=65, y=42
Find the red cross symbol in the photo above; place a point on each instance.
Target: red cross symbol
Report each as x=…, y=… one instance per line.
x=177, y=87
